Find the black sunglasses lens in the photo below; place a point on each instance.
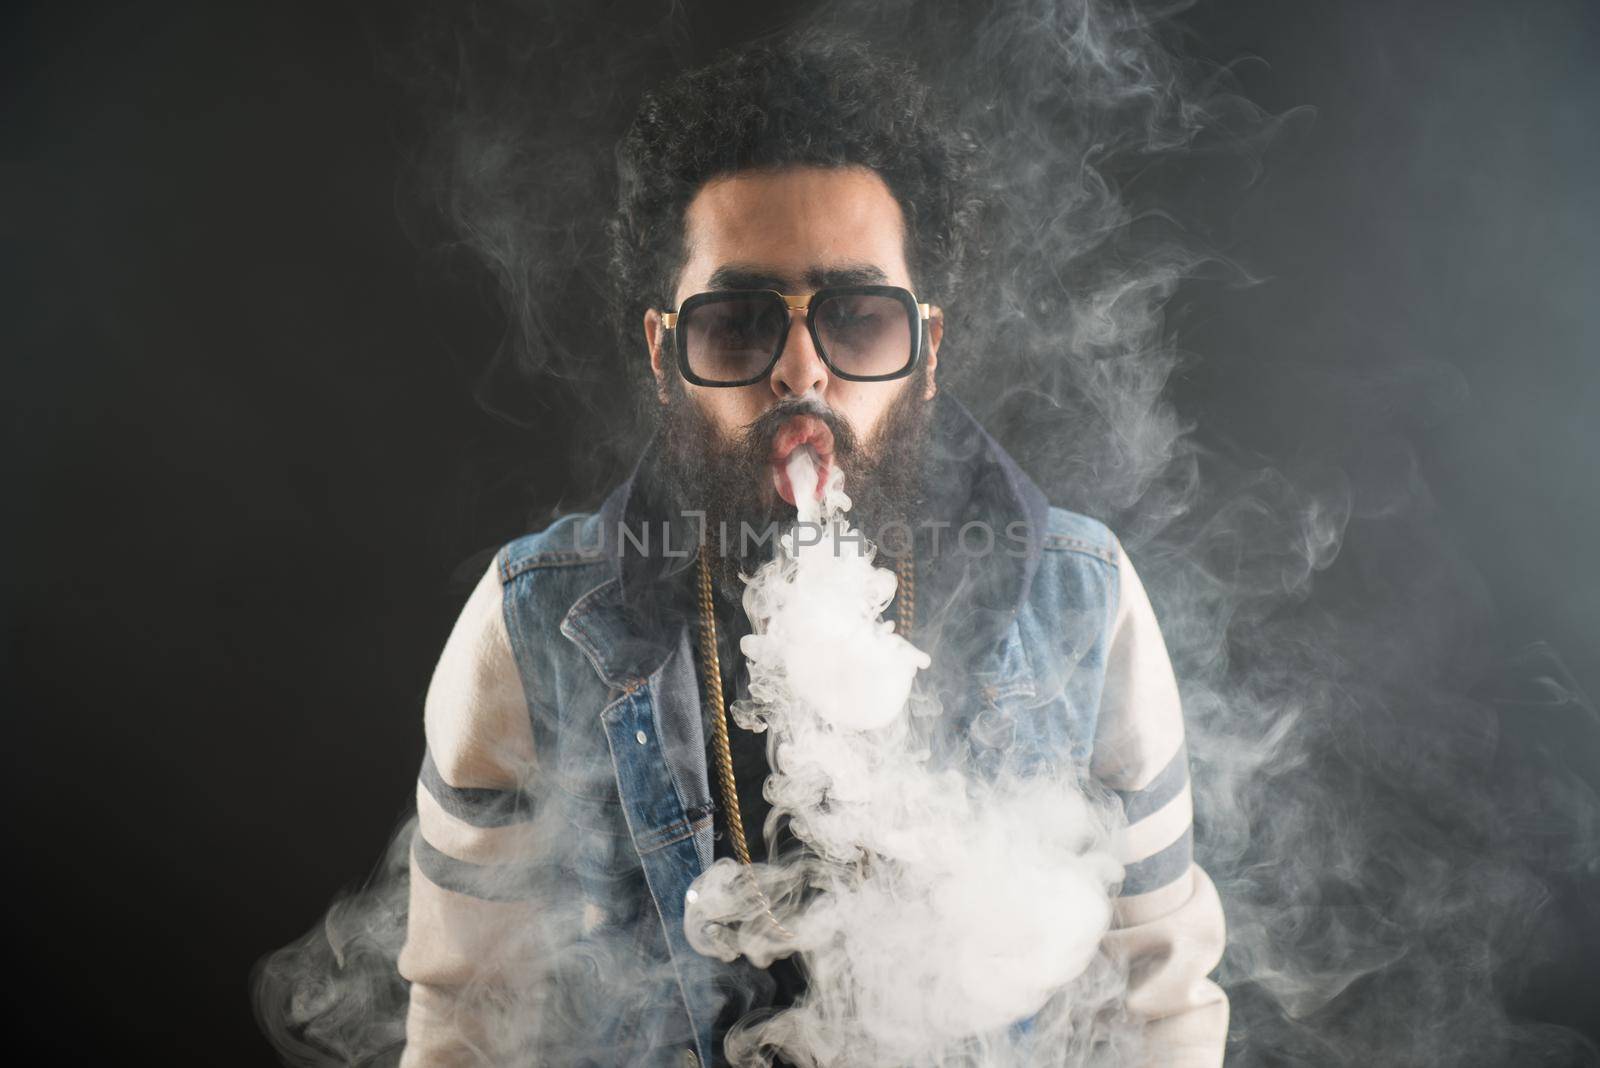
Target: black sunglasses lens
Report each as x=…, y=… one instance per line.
x=866, y=335
x=732, y=339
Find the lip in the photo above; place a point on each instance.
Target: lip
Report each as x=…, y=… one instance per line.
x=800, y=431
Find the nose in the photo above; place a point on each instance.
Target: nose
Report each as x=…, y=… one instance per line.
x=799, y=368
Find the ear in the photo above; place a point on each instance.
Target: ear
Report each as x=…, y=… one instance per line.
x=654, y=336
x=935, y=334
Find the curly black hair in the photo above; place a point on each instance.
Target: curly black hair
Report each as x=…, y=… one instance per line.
x=807, y=99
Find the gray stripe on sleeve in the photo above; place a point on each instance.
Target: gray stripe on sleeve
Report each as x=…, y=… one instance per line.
x=1159, y=869
x=488, y=882
x=1168, y=783
x=479, y=807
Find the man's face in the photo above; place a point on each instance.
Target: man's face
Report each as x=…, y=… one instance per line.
x=792, y=230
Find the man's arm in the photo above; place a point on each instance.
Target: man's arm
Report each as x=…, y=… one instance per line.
x=473, y=829
x=1168, y=919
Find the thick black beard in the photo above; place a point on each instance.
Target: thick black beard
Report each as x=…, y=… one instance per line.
x=729, y=481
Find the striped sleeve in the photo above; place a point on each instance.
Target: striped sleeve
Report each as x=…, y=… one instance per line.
x=473, y=834
x=1168, y=918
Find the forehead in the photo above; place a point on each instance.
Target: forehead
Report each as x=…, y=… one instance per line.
x=795, y=223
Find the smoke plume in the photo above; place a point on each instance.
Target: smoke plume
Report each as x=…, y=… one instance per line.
x=931, y=910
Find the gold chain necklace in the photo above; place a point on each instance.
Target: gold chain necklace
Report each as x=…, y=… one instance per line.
x=711, y=678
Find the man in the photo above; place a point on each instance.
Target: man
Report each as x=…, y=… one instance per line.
x=790, y=220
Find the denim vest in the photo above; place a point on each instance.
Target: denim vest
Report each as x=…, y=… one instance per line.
x=617, y=718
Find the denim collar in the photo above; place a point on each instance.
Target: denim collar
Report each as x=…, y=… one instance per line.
x=970, y=589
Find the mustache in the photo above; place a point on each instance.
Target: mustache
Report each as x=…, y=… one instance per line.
x=757, y=435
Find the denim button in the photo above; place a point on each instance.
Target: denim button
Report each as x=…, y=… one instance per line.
x=641, y=738
x=689, y=1059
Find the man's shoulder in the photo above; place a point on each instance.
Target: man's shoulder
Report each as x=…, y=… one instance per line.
x=1072, y=532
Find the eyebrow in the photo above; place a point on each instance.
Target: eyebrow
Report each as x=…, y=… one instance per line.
x=754, y=276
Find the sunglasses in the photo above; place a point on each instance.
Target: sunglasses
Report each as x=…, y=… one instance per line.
x=734, y=337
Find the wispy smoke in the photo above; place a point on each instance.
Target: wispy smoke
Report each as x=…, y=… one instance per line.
x=1382, y=829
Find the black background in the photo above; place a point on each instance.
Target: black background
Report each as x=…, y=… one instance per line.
x=251, y=485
